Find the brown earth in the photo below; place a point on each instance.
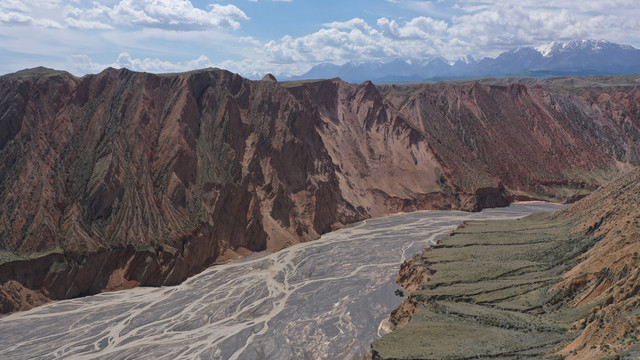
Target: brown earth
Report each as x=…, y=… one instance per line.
x=122, y=179
x=413, y=273
x=592, y=245
x=608, y=275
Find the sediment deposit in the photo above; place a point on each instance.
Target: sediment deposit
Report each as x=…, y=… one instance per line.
x=324, y=299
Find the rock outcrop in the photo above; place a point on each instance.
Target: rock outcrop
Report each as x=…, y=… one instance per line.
x=123, y=179
x=412, y=275
x=608, y=274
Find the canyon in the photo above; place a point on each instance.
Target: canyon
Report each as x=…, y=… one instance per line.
x=324, y=299
x=121, y=179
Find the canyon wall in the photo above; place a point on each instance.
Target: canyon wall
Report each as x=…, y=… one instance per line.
x=122, y=179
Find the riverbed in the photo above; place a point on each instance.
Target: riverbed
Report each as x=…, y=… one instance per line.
x=324, y=299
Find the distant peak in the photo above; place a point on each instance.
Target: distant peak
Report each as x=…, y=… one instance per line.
x=556, y=47
x=467, y=59
x=39, y=71
x=269, y=78
x=546, y=49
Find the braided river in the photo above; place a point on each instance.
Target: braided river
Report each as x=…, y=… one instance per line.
x=325, y=299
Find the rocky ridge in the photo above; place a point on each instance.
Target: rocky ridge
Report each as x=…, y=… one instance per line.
x=123, y=179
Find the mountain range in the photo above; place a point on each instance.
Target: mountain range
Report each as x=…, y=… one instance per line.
x=575, y=58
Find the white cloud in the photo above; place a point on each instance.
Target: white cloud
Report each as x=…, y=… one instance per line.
x=325, y=45
x=353, y=24
x=160, y=66
x=86, y=24
x=167, y=14
x=356, y=40
x=45, y=4
x=250, y=40
x=15, y=18
x=47, y=23
x=417, y=28
x=480, y=29
x=18, y=13
x=82, y=64
x=155, y=30
x=576, y=5
x=13, y=5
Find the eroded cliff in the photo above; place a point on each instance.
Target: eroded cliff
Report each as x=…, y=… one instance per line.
x=122, y=179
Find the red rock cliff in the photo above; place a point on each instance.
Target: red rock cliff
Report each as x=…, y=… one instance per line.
x=121, y=179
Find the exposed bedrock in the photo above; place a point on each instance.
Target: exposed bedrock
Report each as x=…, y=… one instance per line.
x=122, y=179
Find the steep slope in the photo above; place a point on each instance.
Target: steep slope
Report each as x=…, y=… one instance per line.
x=608, y=275
x=130, y=178
x=559, y=284
x=122, y=179
x=538, y=142
x=384, y=164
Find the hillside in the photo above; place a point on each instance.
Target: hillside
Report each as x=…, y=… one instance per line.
x=120, y=179
x=562, y=284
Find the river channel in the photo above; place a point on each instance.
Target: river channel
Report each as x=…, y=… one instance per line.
x=324, y=299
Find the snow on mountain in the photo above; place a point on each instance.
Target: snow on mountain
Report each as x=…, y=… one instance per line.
x=580, y=57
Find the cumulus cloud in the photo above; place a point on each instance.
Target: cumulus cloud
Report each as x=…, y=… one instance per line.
x=82, y=64
x=163, y=27
x=417, y=28
x=13, y=5
x=325, y=45
x=160, y=66
x=353, y=24
x=479, y=29
x=356, y=40
x=177, y=15
x=166, y=14
x=17, y=13
x=15, y=18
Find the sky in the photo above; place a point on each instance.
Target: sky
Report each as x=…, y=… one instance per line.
x=288, y=37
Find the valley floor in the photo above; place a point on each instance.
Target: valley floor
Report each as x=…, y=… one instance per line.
x=324, y=299
x=491, y=294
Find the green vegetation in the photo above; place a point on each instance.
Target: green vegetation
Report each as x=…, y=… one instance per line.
x=491, y=294
x=291, y=84
x=559, y=82
x=8, y=256
x=37, y=72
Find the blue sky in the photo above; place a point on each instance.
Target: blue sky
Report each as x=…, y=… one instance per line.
x=289, y=37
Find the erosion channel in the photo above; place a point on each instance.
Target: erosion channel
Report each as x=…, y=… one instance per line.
x=322, y=299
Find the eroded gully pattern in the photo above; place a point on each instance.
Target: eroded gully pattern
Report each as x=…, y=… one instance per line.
x=324, y=299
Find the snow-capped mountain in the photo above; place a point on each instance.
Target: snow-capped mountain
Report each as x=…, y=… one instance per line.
x=584, y=58
x=466, y=60
x=558, y=48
